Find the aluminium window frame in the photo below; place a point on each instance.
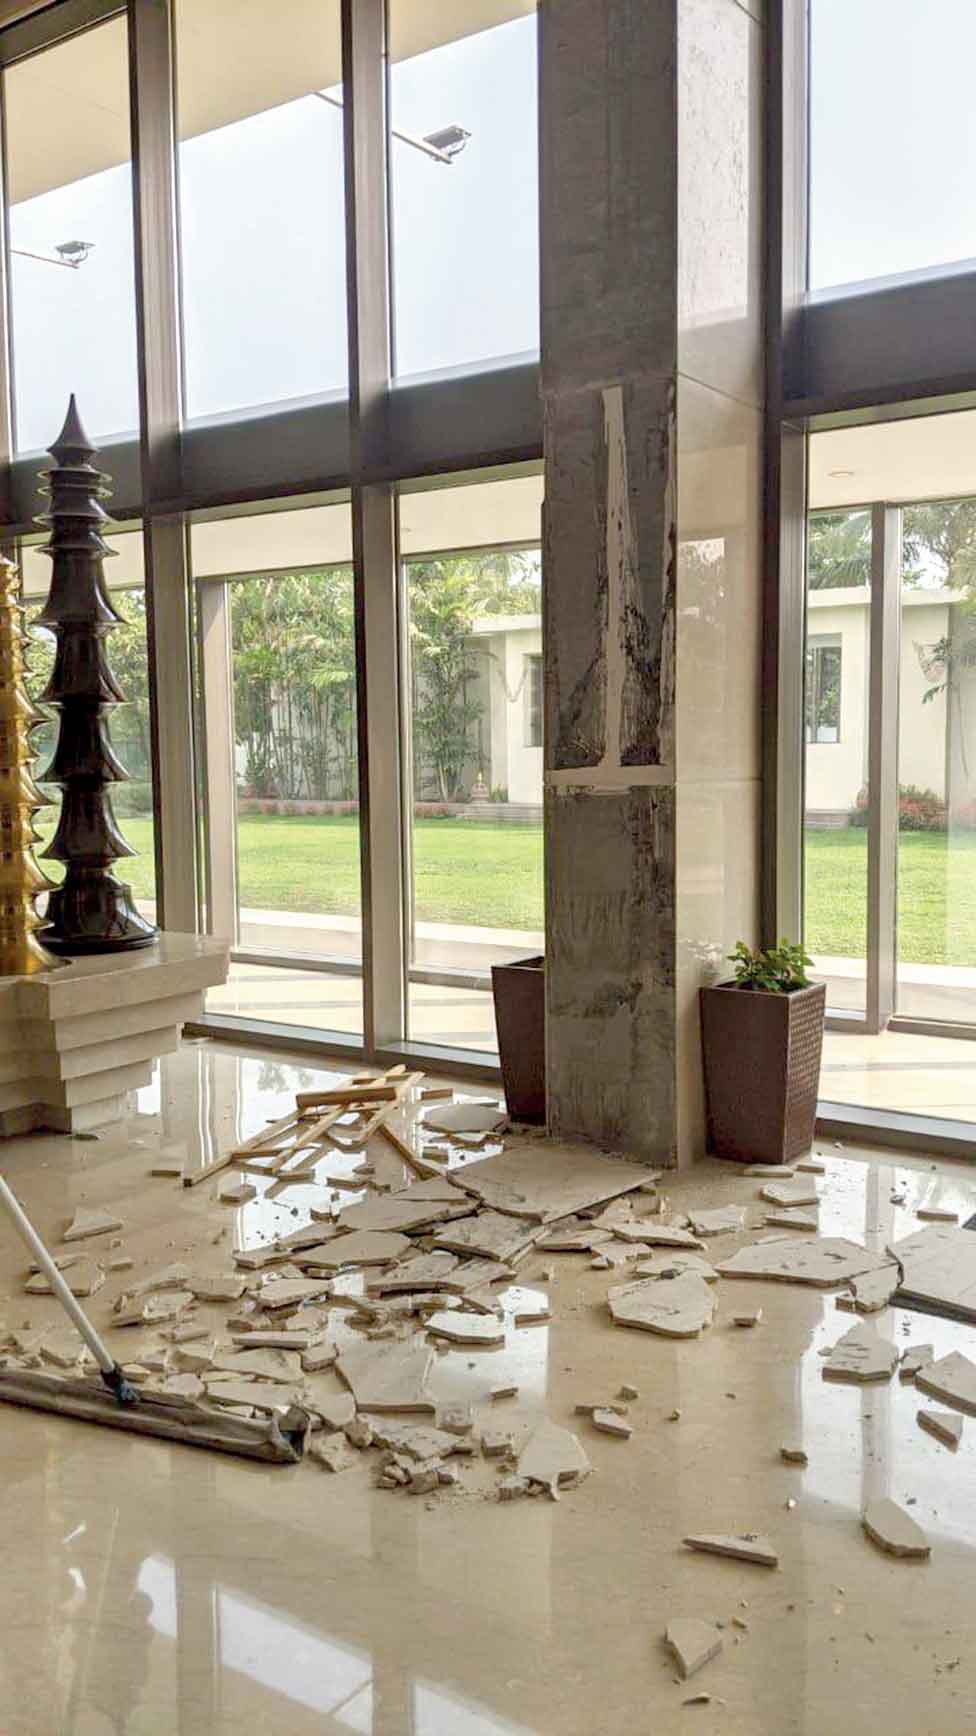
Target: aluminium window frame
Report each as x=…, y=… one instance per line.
x=478, y=418
x=862, y=353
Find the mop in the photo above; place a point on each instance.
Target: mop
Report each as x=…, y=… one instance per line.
x=279, y=1438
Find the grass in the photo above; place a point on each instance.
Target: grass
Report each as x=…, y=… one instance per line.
x=936, y=895
x=466, y=871
x=490, y=875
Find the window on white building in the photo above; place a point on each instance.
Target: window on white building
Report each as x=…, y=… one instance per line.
x=823, y=689
x=533, y=700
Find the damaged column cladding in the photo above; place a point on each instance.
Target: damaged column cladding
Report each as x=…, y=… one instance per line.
x=650, y=537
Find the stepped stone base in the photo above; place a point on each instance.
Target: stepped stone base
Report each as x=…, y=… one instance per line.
x=76, y=1040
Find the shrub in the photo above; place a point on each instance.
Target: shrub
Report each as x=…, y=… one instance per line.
x=918, y=810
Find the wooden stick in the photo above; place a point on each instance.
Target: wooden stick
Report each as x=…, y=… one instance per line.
x=348, y=1095
x=365, y=1134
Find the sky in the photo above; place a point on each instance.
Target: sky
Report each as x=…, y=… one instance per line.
x=893, y=137
x=263, y=249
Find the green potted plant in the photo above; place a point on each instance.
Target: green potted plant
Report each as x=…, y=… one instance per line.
x=762, y=1036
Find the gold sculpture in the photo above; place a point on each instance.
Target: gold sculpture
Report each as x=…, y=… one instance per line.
x=21, y=953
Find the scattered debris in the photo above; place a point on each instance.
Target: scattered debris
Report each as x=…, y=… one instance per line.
x=332, y=1452
x=466, y=1118
x=505, y=1391
x=895, y=1531
x=533, y=1313
x=237, y=1193
x=553, y=1457
x=83, y=1278
x=680, y=1308
x=952, y=1379
x=694, y=1644
x=794, y=1456
x=914, y=1357
x=751, y=1319
x=861, y=1355
x=944, y=1425
x=938, y=1214
x=87, y=1223
x=811, y=1166
x=610, y=1423
x=748, y=1547
x=497, y=1443
x=629, y=1392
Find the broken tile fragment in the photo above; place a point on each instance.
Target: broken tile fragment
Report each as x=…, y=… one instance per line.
x=83, y=1278
x=777, y=1171
x=791, y=1218
x=674, y=1266
x=480, y=1330
x=895, y=1531
x=938, y=1214
x=553, y=1457
x=677, y=1308
x=216, y=1286
x=944, y=1425
x=752, y=1318
x=952, y=1379
x=913, y=1358
x=793, y=1455
x=790, y=1193
x=497, y=1443
x=721, y=1221
x=237, y=1193
x=694, y=1644
x=89, y=1223
x=747, y=1547
x=861, y=1355
x=388, y=1377
x=332, y=1452
x=811, y=1166
x=610, y=1423
x=824, y=1261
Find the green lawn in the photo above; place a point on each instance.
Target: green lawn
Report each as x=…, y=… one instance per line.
x=490, y=875
x=936, y=895
x=467, y=871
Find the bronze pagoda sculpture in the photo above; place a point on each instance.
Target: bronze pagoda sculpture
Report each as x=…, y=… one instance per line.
x=21, y=953
x=91, y=911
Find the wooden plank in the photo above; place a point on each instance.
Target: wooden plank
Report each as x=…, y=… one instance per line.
x=347, y=1095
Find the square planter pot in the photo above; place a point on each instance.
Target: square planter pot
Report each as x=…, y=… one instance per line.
x=519, y=991
x=762, y=1070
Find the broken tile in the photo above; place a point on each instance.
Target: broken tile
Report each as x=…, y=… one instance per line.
x=398, y=1212
x=952, y=1379
x=629, y=1392
x=332, y=1452
x=534, y=1310
x=337, y=1410
x=895, y=1531
x=752, y=1318
x=674, y=1266
x=694, y=1644
x=944, y=1425
x=548, y=1184
x=676, y=1308
x=610, y=1423
x=216, y=1287
x=668, y=1235
x=722, y=1221
x=89, y=1223
x=318, y=1357
x=790, y=1193
x=271, y=1340
x=793, y=1455
x=182, y=1386
x=191, y=1358
x=497, y=1443
x=553, y=1457
x=174, y=1277
x=578, y=1236
x=811, y=1166
x=168, y=1167
x=120, y=1263
x=939, y=1270
x=826, y=1262
x=388, y=1377
x=82, y=1279
x=62, y=1347
x=504, y=1391
x=913, y=1358
x=360, y=1248
x=466, y=1118
x=861, y=1355
x=422, y=1272
x=264, y=1364
x=286, y=1292
x=474, y=1329
x=263, y=1395
x=750, y=1546
x=512, y=1488
x=789, y=1218
x=938, y=1214
x=419, y=1442
x=777, y=1171
x=493, y=1235
x=874, y=1290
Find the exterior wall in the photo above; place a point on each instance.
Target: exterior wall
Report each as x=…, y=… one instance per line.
x=524, y=762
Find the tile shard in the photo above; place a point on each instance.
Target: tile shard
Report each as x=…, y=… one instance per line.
x=675, y=1308
x=825, y=1262
x=952, y=1379
x=797, y=1193
x=914, y=1357
x=694, y=1644
x=721, y=1221
x=388, y=1377
x=477, y=1330
x=895, y=1531
x=938, y=1270
x=944, y=1425
x=550, y=1185
x=553, y=1457
x=749, y=1546
x=492, y=1235
x=89, y=1223
x=861, y=1355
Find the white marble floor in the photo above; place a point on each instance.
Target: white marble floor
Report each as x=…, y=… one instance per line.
x=157, y=1590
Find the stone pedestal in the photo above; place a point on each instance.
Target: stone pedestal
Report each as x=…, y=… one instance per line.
x=75, y=1040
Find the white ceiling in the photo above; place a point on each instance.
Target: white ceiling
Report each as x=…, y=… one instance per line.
x=922, y=458
x=67, y=109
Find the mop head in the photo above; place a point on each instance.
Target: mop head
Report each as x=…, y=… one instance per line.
x=279, y=1438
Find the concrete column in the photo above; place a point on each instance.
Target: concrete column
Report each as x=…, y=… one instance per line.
x=651, y=377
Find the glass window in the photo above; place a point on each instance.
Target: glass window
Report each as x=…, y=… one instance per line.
x=72, y=283
x=279, y=750
x=823, y=677
x=532, y=680
x=464, y=167
x=472, y=582
x=892, y=138
x=261, y=202
x=835, y=863
x=128, y=652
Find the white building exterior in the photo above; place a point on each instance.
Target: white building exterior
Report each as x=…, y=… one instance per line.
x=511, y=646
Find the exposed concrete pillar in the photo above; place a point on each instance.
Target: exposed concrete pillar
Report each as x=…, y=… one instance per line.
x=651, y=342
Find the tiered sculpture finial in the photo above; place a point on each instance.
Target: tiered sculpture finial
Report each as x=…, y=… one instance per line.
x=21, y=953
x=91, y=911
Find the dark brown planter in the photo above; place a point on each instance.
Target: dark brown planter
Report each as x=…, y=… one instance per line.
x=762, y=1070
x=520, y=1019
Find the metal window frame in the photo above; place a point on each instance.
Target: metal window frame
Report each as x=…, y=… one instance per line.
x=477, y=420
x=861, y=353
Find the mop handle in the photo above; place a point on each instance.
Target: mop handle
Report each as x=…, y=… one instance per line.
x=69, y=1303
